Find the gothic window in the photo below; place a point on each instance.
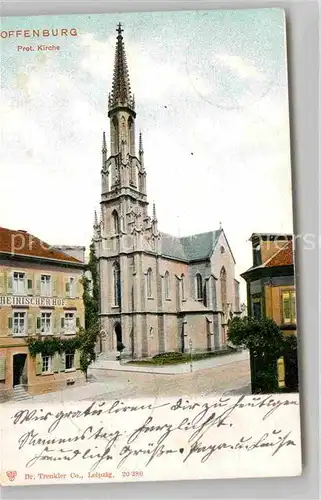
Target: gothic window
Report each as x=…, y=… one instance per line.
x=116, y=282
x=183, y=286
x=149, y=282
x=131, y=134
x=205, y=294
x=115, y=135
x=167, y=285
x=223, y=287
x=199, y=287
x=115, y=219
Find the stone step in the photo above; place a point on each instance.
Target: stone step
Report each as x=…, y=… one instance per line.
x=20, y=393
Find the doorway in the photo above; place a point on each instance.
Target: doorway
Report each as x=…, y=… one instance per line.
x=20, y=369
x=118, y=332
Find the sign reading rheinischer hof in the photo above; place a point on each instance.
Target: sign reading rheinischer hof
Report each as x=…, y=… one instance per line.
x=12, y=300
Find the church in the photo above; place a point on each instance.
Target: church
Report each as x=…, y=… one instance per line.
x=158, y=293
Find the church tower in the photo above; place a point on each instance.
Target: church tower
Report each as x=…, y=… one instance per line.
x=125, y=229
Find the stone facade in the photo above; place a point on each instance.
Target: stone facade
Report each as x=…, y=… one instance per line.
x=41, y=296
x=159, y=293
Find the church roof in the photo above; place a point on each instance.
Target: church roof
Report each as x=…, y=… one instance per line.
x=190, y=248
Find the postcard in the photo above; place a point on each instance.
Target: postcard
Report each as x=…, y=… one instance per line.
x=147, y=274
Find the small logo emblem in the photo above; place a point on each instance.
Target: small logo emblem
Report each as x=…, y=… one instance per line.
x=11, y=474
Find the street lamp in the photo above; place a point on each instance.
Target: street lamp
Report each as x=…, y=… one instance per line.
x=190, y=344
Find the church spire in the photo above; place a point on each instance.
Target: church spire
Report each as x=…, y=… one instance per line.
x=121, y=92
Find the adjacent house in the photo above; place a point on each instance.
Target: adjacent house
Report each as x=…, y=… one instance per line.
x=40, y=296
x=271, y=283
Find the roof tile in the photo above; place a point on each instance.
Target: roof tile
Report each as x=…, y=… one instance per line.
x=19, y=242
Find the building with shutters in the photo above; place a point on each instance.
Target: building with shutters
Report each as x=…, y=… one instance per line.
x=158, y=293
x=40, y=295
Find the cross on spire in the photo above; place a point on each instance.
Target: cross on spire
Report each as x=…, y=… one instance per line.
x=119, y=29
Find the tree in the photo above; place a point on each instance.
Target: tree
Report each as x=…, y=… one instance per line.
x=264, y=339
x=88, y=336
x=87, y=339
x=91, y=296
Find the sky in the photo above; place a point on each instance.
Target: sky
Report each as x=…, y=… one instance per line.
x=212, y=103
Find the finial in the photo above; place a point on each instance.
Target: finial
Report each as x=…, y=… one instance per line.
x=154, y=212
x=220, y=225
x=104, y=148
x=141, y=150
x=95, y=219
x=119, y=29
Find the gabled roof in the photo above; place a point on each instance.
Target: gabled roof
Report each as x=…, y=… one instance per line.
x=190, y=248
x=21, y=243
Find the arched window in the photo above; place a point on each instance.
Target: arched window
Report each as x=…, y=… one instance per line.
x=205, y=294
x=149, y=282
x=115, y=136
x=199, y=287
x=167, y=285
x=115, y=220
x=183, y=286
x=116, y=284
x=223, y=287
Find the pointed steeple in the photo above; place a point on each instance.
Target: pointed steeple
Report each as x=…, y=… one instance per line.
x=120, y=93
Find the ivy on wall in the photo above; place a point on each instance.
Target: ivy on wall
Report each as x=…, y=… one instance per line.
x=49, y=346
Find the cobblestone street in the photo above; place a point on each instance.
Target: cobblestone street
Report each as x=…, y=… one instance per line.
x=109, y=384
x=234, y=376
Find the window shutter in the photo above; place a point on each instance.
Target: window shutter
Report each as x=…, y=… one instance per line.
x=56, y=362
x=79, y=288
x=77, y=322
x=77, y=360
x=1, y=283
x=38, y=364
x=30, y=284
x=10, y=323
x=9, y=283
x=293, y=307
x=62, y=323
x=37, y=286
x=67, y=287
x=2, y=368
x=55, y=323
x=55, y=286
x=62, y=360
x=30, y=327
x=38, y=324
